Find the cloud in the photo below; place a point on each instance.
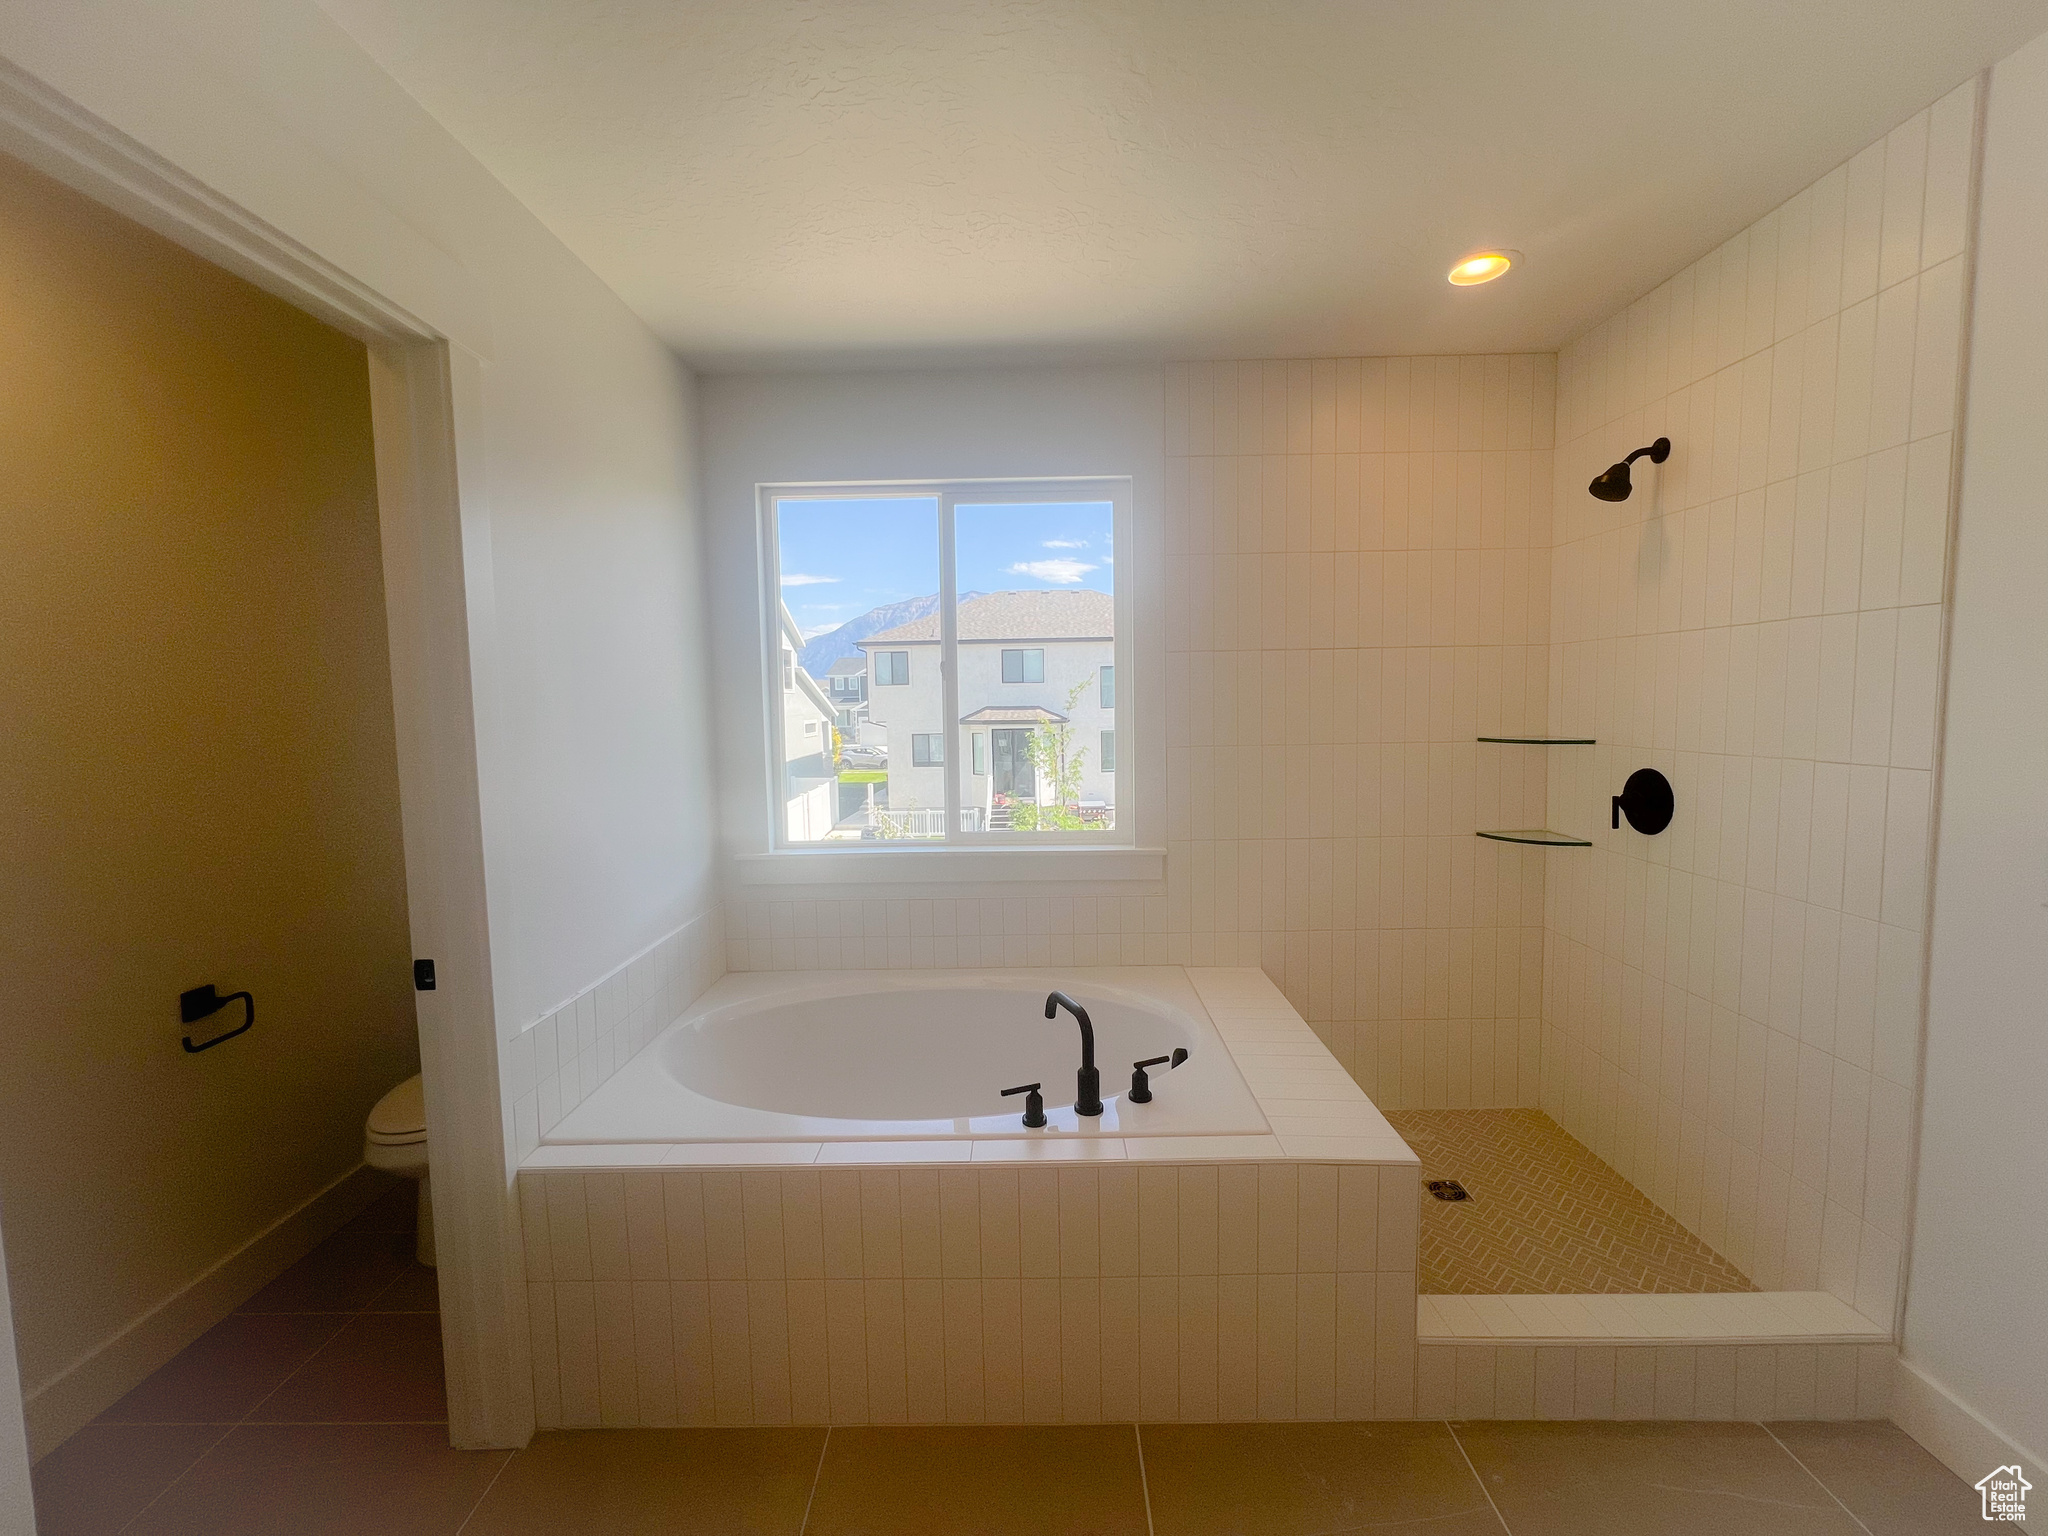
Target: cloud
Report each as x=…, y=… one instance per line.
x=1066, y=544
x=1065, y=573
x=794, y=580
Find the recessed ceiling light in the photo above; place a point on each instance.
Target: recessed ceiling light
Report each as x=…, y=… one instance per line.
x=1483, y=267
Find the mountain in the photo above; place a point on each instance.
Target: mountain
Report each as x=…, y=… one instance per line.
x=821, y=651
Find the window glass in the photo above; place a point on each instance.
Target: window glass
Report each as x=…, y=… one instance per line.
x=1036, y=624
x=877, y=684
x=1024, y=666
x=859, y=584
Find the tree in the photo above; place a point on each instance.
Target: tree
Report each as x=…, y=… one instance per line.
x=1055, y=757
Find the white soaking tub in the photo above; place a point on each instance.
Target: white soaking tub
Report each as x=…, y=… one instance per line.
x=835, y=1056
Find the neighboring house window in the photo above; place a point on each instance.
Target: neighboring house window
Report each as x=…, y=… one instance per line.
x=1005, y=595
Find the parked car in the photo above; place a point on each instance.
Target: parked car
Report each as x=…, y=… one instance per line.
x=861, y=755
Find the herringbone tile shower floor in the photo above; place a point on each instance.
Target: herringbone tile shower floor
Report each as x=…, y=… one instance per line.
x=1545, y=1214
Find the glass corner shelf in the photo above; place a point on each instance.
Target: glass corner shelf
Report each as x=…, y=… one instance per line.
x=1538, y=837
x=1542, y=741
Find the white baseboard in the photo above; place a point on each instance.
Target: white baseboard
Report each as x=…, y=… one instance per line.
x=76, y=1395
x=1953, y=1432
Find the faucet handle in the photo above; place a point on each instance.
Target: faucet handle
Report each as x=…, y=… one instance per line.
x=1034, y=1104
x=1141, y=1085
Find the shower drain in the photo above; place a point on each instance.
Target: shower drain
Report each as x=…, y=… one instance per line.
x=1448, y=1189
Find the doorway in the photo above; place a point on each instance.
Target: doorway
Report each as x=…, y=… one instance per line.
x=1014, y=774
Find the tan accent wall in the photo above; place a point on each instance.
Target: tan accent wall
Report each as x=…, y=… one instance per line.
x=198, y=781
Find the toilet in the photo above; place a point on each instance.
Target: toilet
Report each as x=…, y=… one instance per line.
x=395, y=1139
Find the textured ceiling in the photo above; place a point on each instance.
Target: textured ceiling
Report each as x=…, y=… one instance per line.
x=776, y=183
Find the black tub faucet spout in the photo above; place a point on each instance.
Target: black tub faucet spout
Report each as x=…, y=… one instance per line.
x=1087, y=1081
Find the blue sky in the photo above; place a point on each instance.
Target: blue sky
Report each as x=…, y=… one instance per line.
x=841, y=558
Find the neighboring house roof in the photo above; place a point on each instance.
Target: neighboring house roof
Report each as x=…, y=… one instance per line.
x=1077, y=613
x=1014, y=714
x=847, y=666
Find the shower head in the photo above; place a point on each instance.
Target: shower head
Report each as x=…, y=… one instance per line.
x=1611, y=484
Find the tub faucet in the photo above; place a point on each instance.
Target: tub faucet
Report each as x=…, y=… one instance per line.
x=1088, y=1081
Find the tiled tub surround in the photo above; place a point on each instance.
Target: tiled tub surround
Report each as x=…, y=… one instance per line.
x=1170, y=1278
x=1732, y=1010
x=1355, y=587
x=553, y=1064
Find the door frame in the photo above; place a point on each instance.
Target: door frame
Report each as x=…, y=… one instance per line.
x=426, y=394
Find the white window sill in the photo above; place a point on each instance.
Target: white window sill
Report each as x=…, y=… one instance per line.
x=935, y=866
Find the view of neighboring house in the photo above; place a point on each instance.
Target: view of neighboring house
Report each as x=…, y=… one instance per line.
x=809, y=774
x=846, y=685
x=1027, y=660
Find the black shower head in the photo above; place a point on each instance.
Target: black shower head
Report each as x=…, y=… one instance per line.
x=1611, y=484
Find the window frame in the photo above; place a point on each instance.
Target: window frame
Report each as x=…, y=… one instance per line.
x=950, y=495
x=1023, y=653
x=899, y=664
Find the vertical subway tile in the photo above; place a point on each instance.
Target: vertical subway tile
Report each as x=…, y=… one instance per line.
x=1237, y=1347
x=1002, y=1383
x=924, y=1348
x=921, y=1231
x=810, y=1352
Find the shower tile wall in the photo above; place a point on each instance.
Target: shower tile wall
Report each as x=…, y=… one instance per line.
x=1357, y=585
x=1732, y=1009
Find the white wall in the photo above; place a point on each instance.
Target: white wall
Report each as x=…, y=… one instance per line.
x=1732, y=1008
x=1977, y=1299
x=762, y=429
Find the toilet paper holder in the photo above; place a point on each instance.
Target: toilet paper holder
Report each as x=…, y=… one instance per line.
x=203, y=1003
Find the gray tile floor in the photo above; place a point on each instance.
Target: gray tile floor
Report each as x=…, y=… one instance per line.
x=318, y=1409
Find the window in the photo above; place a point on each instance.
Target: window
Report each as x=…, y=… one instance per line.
x=1006, y=596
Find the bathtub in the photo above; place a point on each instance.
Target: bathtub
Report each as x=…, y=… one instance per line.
x=903, y=1056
